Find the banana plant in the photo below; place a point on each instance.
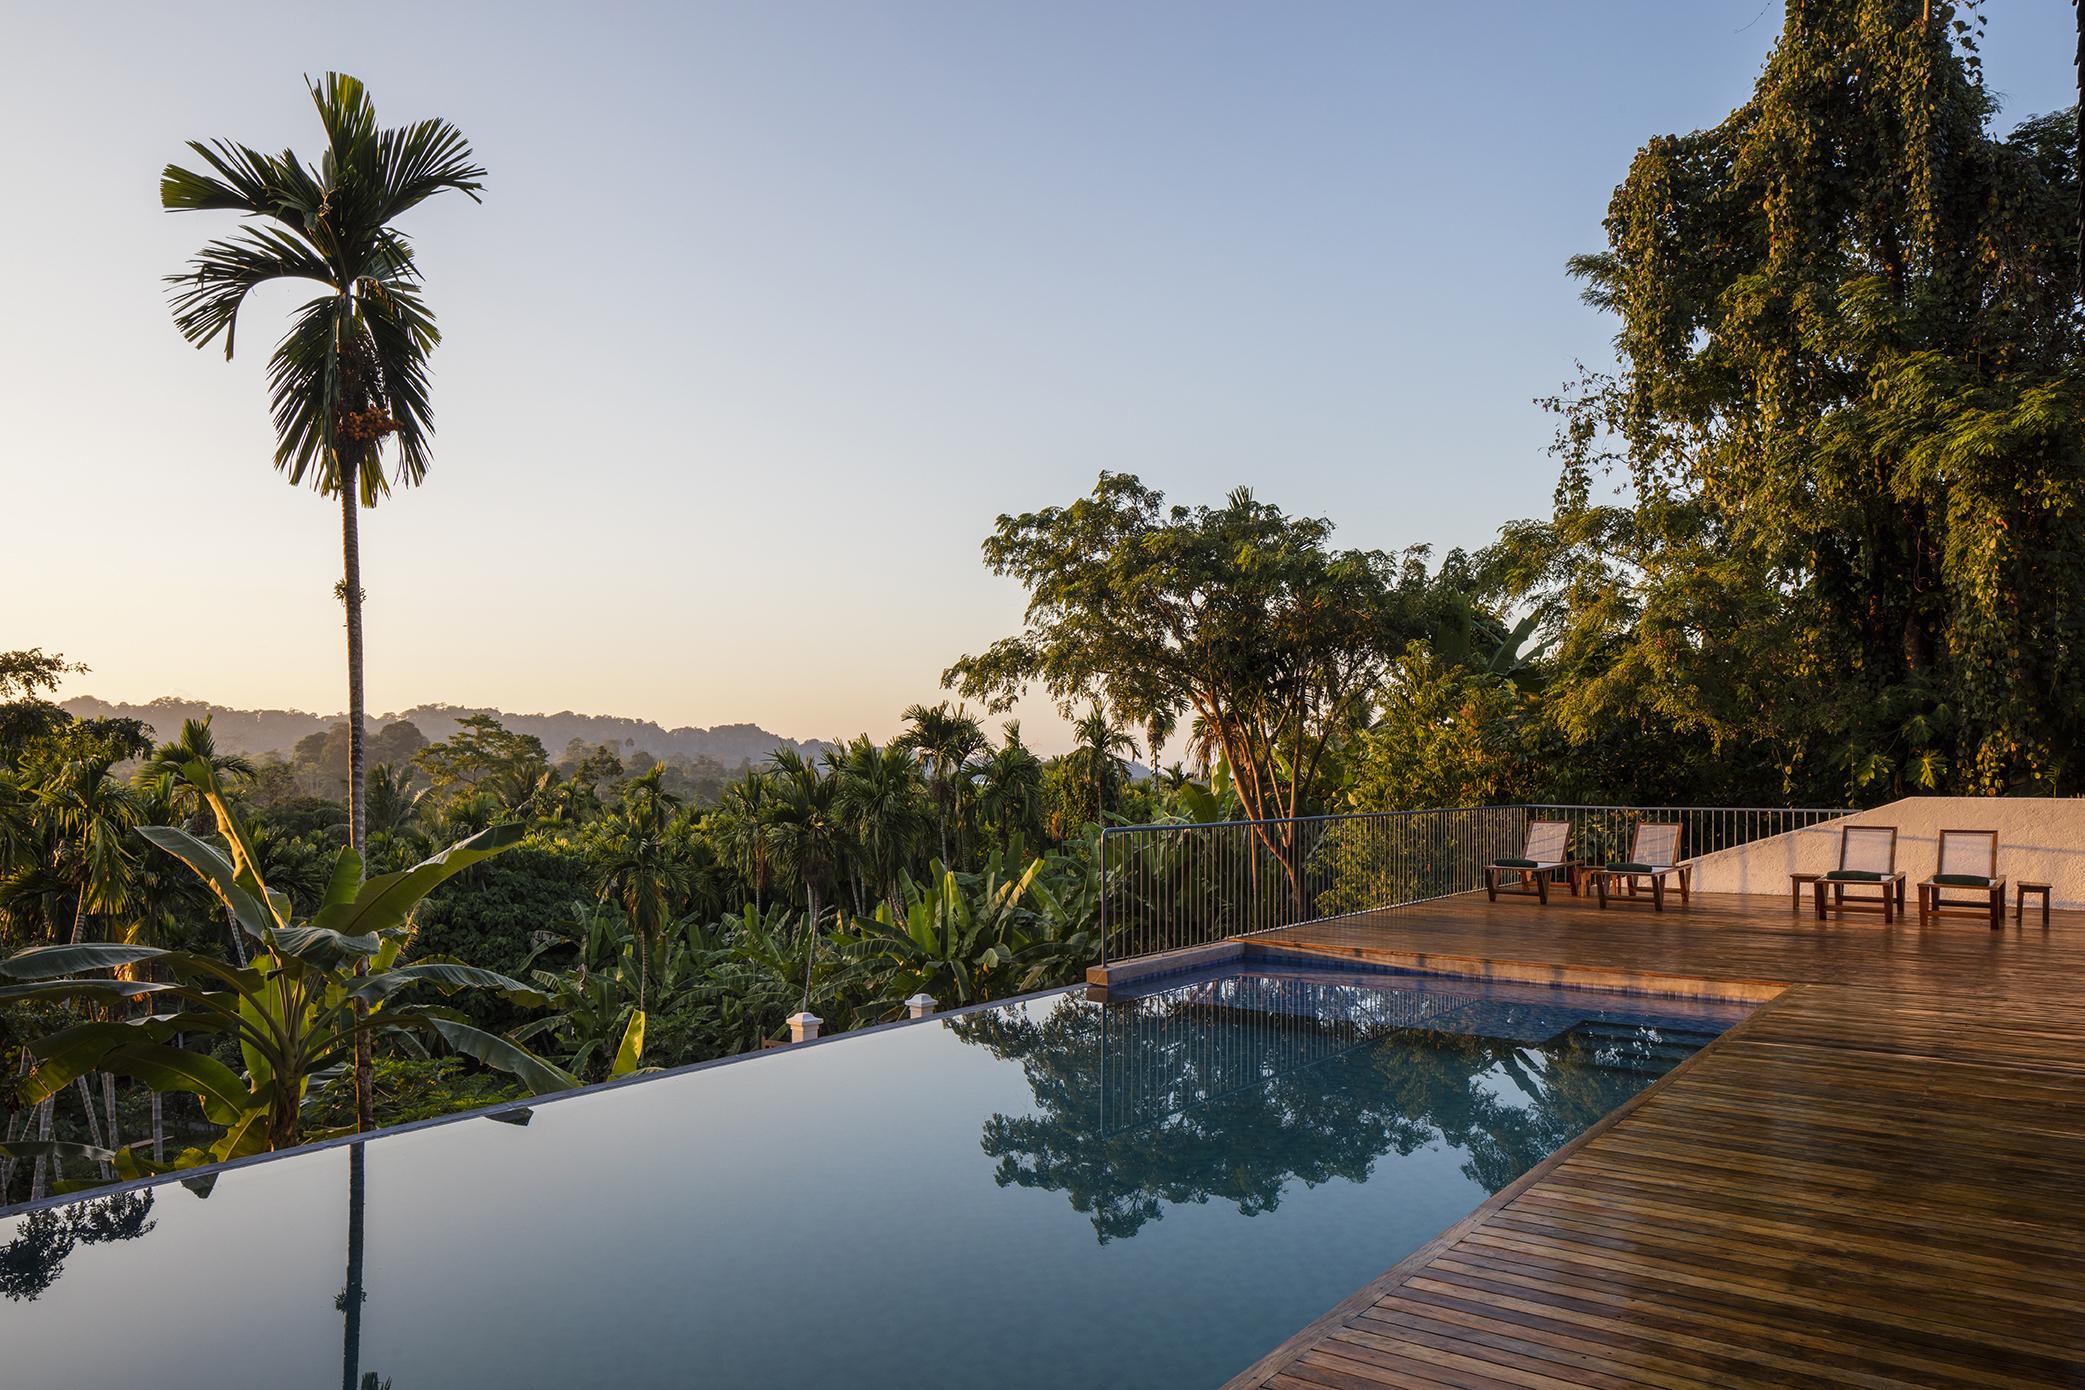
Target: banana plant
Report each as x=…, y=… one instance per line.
x=295, y=1008
x=956, y=933
x=595, y=1017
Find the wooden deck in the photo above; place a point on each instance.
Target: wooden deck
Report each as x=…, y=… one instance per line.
x=1876, y=1180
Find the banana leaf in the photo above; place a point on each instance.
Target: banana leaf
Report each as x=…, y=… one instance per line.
x=631, y=1052
x=448, y=976
x=50, y=962
x=215, y=870
x=497, y=1052
x=163, y=1068
x=321, y=947
x=388, y=899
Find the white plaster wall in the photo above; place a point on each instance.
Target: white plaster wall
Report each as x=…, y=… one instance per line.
x=2039, y=839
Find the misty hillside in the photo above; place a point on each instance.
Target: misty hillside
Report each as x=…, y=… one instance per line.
x=258, y=731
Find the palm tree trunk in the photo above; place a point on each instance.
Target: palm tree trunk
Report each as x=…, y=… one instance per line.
x=79, y=934
x=352, y=1294
x=79, y=1083
x=351, y=599
x=108, y=1108
x=159, y=1131
x=40, y=1176
x=15, y=1122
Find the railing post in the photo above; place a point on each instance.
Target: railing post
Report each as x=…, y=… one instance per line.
x=1103, y=851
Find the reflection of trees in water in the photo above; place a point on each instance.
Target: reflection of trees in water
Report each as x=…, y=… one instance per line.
x=32, y=1261
x=1187, y=1097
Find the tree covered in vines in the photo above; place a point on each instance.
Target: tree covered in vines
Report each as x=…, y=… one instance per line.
x=1826, y=520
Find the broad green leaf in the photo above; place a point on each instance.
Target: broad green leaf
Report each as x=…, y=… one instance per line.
x=320, y=947
x=247, y=1134
x=499, y=1053
x=387, y=900
x=164, y=1068
x=70, y=1053
x=347, y=879
x=215, y=870
x=631, y=1052
x=449, y=978
x=55, y=1148
x=118, y=990
x=50, y=962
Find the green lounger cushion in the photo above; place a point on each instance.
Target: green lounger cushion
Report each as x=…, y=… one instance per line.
x=1635, y=868
x=1962, y=880
x=1516, y=864
x=1857, y=876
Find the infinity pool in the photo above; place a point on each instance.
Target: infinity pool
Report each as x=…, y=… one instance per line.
x=1151, y=1192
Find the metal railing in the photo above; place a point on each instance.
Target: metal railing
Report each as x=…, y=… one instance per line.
x=1167, y=887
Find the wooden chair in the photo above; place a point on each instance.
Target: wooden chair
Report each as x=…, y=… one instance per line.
x=1867, y=858
x=1968, y=861
x=1654, y=856
x=1546, y=852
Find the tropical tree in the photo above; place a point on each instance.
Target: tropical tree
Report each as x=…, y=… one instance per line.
x=1847, y=553
x=161, y=775
x=87, y=815
x=352, y=371
x=877, y=796
x=1010, y=789
x=295, y=1011
x=641, y=860
x=739, y=828
x=596, y=1012
x=393, y=803
x=946, y=737
x=1098, y=751
x=1239, y=616
x=806, y=837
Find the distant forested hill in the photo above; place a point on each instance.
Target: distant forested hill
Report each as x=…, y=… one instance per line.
x=258, y=731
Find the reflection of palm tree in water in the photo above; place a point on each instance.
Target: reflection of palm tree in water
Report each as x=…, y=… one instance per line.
x=352, y=1295
x=32, y=1261
x=1202, y=1124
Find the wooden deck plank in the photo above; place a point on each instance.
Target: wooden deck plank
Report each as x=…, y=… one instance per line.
x=1876, y=1181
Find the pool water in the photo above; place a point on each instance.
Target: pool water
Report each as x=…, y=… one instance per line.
x=1053, y=1192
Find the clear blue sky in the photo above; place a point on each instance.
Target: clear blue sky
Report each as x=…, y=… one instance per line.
x=771, y=308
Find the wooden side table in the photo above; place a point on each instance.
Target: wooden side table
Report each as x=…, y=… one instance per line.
x=2020, y=893
x=1796, y=884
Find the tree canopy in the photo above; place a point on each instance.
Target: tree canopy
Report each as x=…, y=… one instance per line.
x=1239, y=618
x=1846, y=430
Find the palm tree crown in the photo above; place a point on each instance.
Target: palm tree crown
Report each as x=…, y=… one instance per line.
x=353, y=367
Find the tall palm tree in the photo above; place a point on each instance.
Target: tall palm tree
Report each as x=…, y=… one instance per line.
x=353, y=369
x=87, y=818
x=878, y=797
x=807, y=837
x=1098, y=742
x=394, y=804
x=1010, y=787
x=739, y=828
x=947, y=738
x=642, y=861
x=163, y=775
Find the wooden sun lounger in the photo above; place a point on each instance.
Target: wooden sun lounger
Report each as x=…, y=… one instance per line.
x=1867, y=859
x=1654, y=856
x=1968, y=863
x=1546, y=853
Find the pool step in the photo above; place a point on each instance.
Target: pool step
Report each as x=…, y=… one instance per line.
x=1628, y=1047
